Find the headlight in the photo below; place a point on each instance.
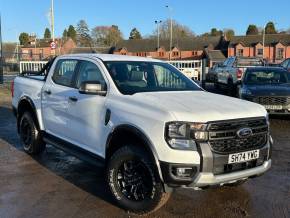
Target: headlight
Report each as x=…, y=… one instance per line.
x=181, y=135
x=246, y=92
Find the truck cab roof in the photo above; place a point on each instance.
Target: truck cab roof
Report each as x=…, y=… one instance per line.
x=112, y=57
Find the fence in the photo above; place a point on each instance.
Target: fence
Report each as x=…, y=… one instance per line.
x=191, y=68
x=31, y=65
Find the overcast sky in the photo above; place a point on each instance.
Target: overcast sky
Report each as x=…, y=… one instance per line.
x=31, y=15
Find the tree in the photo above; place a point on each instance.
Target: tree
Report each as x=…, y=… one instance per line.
x=100, y=35
x=114, y=36
x=23, y=38
x=135, y=34
x=270, y=28
x=106, y=35
x=83, y=34
x=47, y=34
x=229, y=33
x=178, y=30
x=71, y=33
x=64, y=34
x=216, y=32
x=252, y=30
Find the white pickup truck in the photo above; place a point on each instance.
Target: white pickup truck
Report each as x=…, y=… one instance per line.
x=150, y=126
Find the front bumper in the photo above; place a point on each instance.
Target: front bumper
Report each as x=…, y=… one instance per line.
x=211, y=171
x=209, y=179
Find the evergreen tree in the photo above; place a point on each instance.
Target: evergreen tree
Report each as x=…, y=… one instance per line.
x=270, y=28
x=135, y=34
x=71, y=33
x=47, y=34
x=64, y=34
x=252, y=30
x=83, y=34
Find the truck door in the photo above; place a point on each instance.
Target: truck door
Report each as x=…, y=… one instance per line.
x=86, y=112
x=55, y=94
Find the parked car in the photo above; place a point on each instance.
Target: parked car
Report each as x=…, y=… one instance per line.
x=212, y=73
x=151, y=127
x=269, y=86
x=232, y=71
x=286, y=64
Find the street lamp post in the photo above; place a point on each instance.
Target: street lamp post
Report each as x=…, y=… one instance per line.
x=170, y=42
x=264, y=30
x=157, y=22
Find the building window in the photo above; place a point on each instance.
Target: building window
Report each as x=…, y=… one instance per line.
x=259, y=52
x=40, y=54
x=240, y=52
x=30, y=53
x=161, y=54
x=280, y=53
x=175, y=53
x=194, y=53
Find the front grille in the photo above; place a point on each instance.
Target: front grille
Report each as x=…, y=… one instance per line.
x=272, y=100
x=223, y=136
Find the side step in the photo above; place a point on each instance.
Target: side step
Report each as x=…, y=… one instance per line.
x=74, y=150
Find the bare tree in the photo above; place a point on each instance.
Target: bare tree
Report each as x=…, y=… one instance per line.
x=178, y=30
x=106, y=35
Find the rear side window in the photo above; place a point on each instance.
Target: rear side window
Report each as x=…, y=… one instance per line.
x=64, y=71
x=250, y=62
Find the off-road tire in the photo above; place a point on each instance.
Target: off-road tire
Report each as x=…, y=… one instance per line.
x=154, y=198
x=30, y=136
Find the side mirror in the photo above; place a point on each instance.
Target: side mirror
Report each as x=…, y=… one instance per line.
x=93, y=88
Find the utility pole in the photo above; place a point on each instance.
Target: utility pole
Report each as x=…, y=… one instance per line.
x=1, y=53
x=52, y=26
x=158, y=32
x=52, y=20
x=170, y=43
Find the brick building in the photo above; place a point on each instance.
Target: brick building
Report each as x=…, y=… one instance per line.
x=184, y=49
x=277, y=46
x=39, y=49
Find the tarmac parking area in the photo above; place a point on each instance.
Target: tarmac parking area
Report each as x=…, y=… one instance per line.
x=58, y=185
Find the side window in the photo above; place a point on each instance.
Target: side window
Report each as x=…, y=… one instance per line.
x=64, y=72
x=89, y=71
x=285, y=63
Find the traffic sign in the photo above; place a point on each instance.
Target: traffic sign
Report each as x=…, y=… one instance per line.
x=52, y=45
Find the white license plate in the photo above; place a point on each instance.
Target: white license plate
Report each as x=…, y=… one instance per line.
x=243, y=156
x=273, y=107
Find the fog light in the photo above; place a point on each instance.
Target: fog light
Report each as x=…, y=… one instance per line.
x=183, y=172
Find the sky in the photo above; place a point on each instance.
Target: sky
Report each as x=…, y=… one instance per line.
x=200, y=16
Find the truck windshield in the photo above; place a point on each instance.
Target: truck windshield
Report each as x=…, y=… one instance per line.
x=262, y=77
x=132, y=77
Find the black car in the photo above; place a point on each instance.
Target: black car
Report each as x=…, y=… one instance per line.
x=269, y=86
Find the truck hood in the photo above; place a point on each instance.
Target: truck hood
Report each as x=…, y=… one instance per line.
x=201, y=106
x=271, y=89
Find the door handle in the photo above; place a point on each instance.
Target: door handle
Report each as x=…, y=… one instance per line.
x=73, y=98
x=48, y=92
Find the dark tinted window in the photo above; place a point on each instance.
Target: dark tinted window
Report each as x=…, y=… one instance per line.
x=64, y=72
x=89, y=71
x=133, y=77
x=262, y=77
